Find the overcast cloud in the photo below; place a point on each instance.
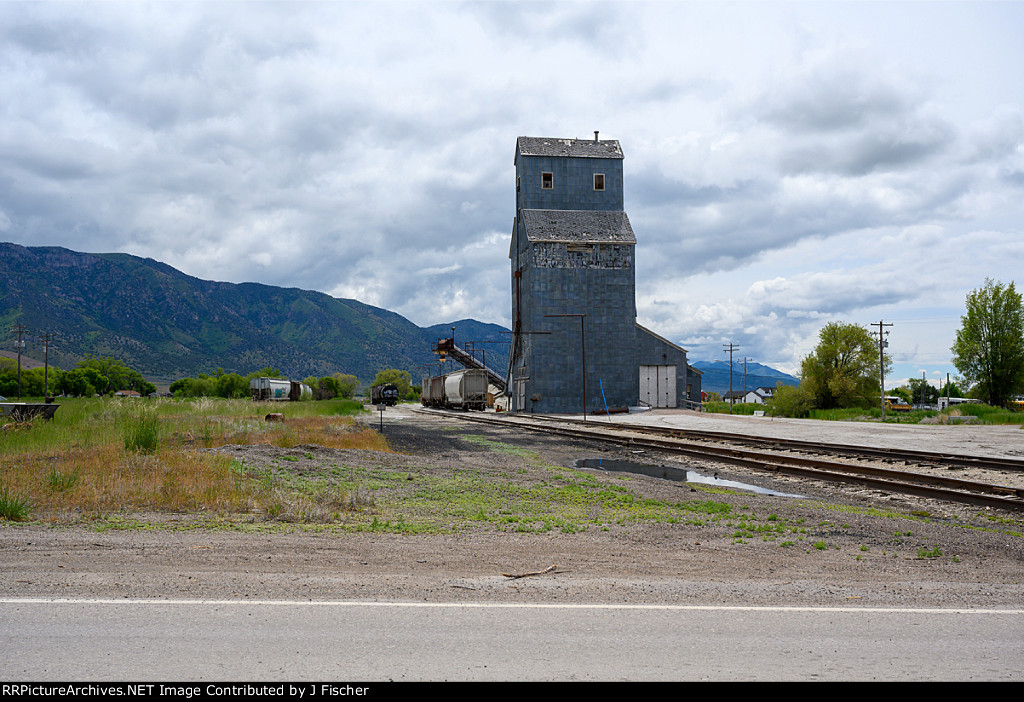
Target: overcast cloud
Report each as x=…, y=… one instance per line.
x=787, y=164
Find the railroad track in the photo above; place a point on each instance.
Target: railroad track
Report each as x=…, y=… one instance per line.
x=767, y=455
x=908, y=456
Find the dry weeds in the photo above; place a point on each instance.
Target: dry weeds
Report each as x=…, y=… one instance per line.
x=91, y=469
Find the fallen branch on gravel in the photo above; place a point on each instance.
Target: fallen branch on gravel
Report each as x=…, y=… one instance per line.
x=514, y=576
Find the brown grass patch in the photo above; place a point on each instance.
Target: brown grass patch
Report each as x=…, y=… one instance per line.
x=109, y=477
x=329, y=432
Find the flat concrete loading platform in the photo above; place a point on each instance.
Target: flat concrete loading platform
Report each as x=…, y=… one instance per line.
x=978, y=440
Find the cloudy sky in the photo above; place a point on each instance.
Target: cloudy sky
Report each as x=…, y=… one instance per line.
x=787, y=164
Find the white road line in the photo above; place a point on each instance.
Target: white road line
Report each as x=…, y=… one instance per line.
x=501, y=605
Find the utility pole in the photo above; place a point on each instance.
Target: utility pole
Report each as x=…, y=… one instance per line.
x=883, y=342
x=19, y=330
x=46, y=366
x=731, y=347
x=745, y=359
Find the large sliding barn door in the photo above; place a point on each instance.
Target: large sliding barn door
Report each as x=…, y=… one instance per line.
x=658, y=385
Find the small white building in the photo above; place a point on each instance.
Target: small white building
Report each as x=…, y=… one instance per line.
x=757, y=396
x=765, y=393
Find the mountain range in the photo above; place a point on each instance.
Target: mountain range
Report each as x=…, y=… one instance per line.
x=167, y=325
x=715, y=376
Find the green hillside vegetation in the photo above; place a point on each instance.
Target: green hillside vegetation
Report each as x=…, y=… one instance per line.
x=169, y=325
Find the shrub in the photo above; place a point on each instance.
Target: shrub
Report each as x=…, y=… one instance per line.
x=142, y=433
x=792, y=401
x=61, y=482
x=14, y=507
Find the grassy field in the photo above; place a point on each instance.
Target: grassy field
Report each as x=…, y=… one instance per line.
x=103, y=455
x=121, y=463
x=140, y=464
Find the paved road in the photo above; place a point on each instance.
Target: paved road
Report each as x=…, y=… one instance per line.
x=92, y=640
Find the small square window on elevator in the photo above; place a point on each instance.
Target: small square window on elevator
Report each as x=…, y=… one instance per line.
x=547, y=181
x=599, y=181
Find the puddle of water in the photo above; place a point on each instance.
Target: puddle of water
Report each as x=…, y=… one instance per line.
x=672, y=473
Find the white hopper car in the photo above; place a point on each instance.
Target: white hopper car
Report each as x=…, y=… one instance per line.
x=463, y=389
x=278, y=389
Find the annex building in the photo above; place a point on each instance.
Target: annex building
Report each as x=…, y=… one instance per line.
x=576, y=342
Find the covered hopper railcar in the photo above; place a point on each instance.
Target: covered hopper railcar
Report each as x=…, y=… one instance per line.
x=463, y=389
x=432, y=391
x=279, y=390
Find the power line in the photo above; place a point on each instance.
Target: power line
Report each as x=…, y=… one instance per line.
x=19, y=329
x=883, y=342
x=731, y=347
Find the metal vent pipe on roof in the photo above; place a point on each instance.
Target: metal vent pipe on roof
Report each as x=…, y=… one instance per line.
x=595, y=136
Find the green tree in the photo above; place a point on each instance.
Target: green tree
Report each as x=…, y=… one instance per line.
x=81, y=382
x=231, y=385
x=903, y=392
x=324, y=388
x=268, y=372
x=922, y=393
x=989, y=347
x=348, y=385
x=203, y=386
x=843, y=370
x=179, y=386
x=954, y=388
x=31, y=379
x=118, y=376
x=790, y=401
x=402, y=380
x=314, y=385
x=328, y=386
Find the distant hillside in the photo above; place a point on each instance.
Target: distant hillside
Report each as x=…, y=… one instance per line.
x=26, y=362
x=716, y=376
x=168, y=325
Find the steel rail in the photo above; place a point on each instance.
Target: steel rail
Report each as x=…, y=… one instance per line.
x=936, y=487
x=882, y=453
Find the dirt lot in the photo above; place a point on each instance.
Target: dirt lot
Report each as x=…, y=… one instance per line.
x=833, y=546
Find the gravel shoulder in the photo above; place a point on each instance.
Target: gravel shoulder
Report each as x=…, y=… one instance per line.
x=847, y=547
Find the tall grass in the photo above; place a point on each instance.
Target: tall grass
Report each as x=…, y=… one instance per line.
x=141, y=432
x=106, y=454
x=14, y=506
x=988, y=414
x=722, y=407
